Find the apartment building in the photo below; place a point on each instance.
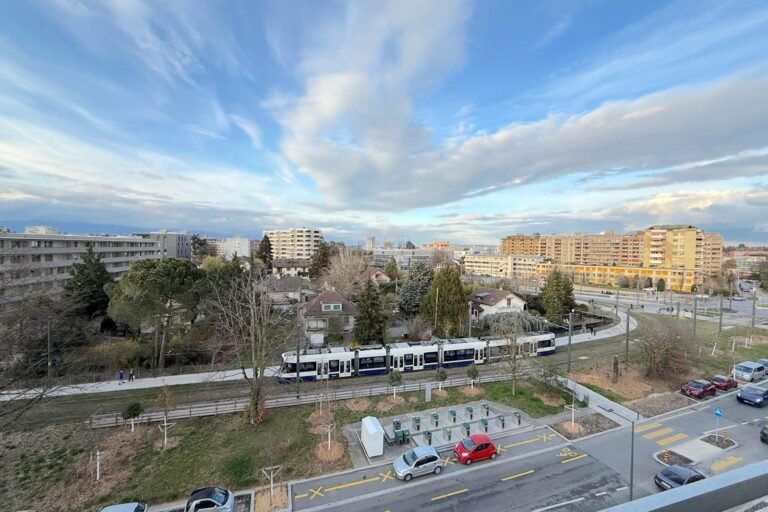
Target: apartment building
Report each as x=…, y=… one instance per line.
x=713, y=253
x=678, y=279
x=520, y=266
x=439, y=245
x=170, y=244
x=404, y=257
x=521, y=244
x=40, y=263
x=294, y=243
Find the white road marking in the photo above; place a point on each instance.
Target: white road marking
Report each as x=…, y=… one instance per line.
x=621, y=488
x=601, y=493
x=558, y=505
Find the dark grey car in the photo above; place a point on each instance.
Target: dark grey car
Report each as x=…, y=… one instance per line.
x=676, y=476
x=753, y=395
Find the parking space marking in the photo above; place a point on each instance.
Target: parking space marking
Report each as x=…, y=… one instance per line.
x=720, y=465
x=647, y=426
x=566, y=452
x=540, y=437
x=618, y=489
x=601, y=493
x=512, y=477
x=448, y=461
x=671, y=439
x=352, y=484
x=316, y=492
x=299, y=496
x=448, y=495
x=658, y=433
x=500, y=449
x=386, y=476
x=558, y=505
x=573, y=458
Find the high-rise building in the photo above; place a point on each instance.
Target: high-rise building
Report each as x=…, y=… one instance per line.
x=370, y=242
x=40, y=230
x=231, y=246
x=170, y=244
x=521, y=244
x=439, y=245
x=294, y=243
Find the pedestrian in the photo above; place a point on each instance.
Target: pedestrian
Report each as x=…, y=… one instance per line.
x=131, y=375
x=121, y=376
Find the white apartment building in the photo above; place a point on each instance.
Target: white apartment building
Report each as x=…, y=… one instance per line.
x=39, y=264
x=231, y=246
x=294, y=243
x=502, y=265
x=404, y=257
x=171, y=244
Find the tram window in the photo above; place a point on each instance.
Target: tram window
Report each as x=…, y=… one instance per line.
x=334, y=366
x=430, y=357
x=289, y=368
x=371, y=362
x=307, y=367
x=408, y=359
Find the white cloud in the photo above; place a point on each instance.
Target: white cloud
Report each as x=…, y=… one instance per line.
x=250, y=128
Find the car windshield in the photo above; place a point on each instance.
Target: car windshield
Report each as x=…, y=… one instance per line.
x=140, y=508
x=742, y=368
x=696, y=384
x=720, y=378
x=674, y=476
x=219, y=496
x=753, y=390
x=468, y=444
x=410, y=457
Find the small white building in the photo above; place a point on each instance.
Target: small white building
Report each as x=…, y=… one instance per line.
x=491, y=301
x=372, y=436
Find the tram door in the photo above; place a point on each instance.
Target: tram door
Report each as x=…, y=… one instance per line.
x=479, y=355
x=322, y=370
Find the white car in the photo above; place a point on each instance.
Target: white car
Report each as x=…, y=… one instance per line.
x=211, y=499
x=127, y=507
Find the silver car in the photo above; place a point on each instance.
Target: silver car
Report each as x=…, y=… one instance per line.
x=126, y=507
x=416, y=462
x=211, y=499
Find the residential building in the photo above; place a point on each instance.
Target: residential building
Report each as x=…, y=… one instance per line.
x=287, y=291
x=231, y=246
x=170, y=244
x=294, y=243
x=404, y=257
x=678, y=279
x=520, y=266
x=370, y=242
x=491, y=301
x=521, y=244
x=33, y=264
x=439, y=245
x=748, y=261
x=713, y=253
x=40, y=230
x=328, y=306
x=376, y=275
x=296, y=267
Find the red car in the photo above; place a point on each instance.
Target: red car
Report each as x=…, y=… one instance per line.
x=698, y=389
x=724, y=383
x=475, y=447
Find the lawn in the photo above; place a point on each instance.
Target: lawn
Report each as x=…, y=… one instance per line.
x=607, y=393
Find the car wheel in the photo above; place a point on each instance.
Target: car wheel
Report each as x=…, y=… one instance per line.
x=438, y=470
x=494, y=455
x=469, y=461
x=408, y=477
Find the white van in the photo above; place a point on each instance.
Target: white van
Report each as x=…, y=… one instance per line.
x=749, y=371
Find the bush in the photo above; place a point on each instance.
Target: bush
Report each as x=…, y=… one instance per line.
x=133, y=410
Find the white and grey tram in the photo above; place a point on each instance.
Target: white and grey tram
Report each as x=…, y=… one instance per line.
x=342, y=362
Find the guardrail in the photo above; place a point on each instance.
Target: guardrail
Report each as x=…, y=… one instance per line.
x=203, y=409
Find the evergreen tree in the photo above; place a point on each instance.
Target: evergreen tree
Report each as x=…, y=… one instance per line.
x=320, y=260
x=557, y=296
x=414, y=288
x=369, y=321
x=452, y=302
x=201, y=247
x=85, y=288
x=391, y=269
x=265, y=253
x=409, y=245
x=661, y=284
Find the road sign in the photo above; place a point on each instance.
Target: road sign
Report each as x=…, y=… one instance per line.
x=718, y=412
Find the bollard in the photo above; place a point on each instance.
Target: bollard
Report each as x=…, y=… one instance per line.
x=465, y=428
x=435, y=419
x=519, y=417
x=487, y=410
x=725, y=435
x=417, y=423
x=396, y=425
x=501, y=420
x=484, y=423
x=428, y=435
x=406, y=436
x=470, y=413
x=452, y=414
x=448, y=433
x=665, y=456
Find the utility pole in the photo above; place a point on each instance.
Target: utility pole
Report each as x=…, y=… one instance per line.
x=437, y=296
x=298, y=342
x=720, y=321
x=469, y=330
x=570, y=334
x=50, y=364
x=632, y=462
x=694, y=316
x=754, y=305
x=626, y=350
x=618, y=291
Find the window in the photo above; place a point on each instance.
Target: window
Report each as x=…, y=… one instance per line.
x=337, y=307
x=409, y=359
x=49, y=257
x=307, y=367
x=334, y=366
x=430, y=357
x=367, y=363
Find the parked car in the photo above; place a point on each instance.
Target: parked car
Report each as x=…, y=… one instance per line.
x=723, y=382
x=676, y=476
x=763, y=362
x=127, y=507
x=211, y=499
x=698, y=389
x=753, y=395
x=474, y=448
x=738, y=298
x=749, y=371
x=764, y=434
x=418, y=461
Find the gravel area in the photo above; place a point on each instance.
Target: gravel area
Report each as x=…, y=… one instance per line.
x=659, y=404
x=719, y=441
x=675, y=459
x=585, y=425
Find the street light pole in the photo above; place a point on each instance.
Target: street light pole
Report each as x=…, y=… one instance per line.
x=469, y=330
x=298, y=342
x=570, y=334
x=632, y=463
x=720, y=321
x=626, y=354
x=694, y=316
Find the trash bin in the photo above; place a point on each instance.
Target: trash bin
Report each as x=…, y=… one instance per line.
x=470, y=413
x=484, y=424
x=486, y=409
x=399, y=437
x=406, y=435
x=435, y=419
x=465, y=428
x=501, y=420
x=448, y=433
x=396, y=425
x=452, y=414
x=417, y=423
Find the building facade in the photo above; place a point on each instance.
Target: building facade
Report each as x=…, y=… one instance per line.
x=678, y=279
x=294, y=243
x=439, y=245
x=232, y=246
x=328, y=306
x=32, y=264
x=170, y=244
x=515, y=266
x=295, y=267
x=404, y=257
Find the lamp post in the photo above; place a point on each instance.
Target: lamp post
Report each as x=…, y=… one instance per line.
x=570, y=334
x=626, y=355
x=631, y=457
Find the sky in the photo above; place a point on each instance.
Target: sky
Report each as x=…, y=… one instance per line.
x=409, y=120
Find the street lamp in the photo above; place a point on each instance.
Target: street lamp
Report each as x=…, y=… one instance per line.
x=631, y=456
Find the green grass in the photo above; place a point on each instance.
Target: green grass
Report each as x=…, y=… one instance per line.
x=607, y=393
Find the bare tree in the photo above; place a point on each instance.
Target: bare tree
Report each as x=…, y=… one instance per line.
x=663, y=349
x=418, y=328
x=242, y=313
x=440, y=258
x=511, y=326
x=346, y=271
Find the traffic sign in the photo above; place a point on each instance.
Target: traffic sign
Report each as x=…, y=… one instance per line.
x=718, y=412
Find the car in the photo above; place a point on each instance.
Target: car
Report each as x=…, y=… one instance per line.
x=211, y=499
x=749, y=371
x=418, y=461
x=127, y=507
x=698, y=389
x=474, y=448
x=764, y=434
x=676, y=476
x=763, y=362
x=738, y=298
x=723, y=382
x=753, y=395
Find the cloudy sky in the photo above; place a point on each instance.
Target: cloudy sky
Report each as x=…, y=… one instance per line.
x=407, y=119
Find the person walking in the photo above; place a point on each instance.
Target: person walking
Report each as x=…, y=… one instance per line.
x=121, y=376
x=131, y=375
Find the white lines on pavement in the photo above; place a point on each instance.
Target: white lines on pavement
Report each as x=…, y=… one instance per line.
x=621, y=488
x=601, y=493
x=558, y=505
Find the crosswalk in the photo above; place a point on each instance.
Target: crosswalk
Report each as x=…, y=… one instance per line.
x=662, y=436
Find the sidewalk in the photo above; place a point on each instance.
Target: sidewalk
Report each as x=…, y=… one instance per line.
x=600, y=404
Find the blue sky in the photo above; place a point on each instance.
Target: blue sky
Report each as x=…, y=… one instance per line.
x=409, y=120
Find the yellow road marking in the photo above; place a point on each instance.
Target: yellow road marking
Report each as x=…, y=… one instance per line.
x=658, y=433
x=671, y=439
x=352, y=484
x=647, y=426
x=720, y=465
x=299, y=496
x=573, y=458
x=517, y=475
x=316, y=492
x=677, y=415
x=386, y=476
x=448, y=495
x=540, y=437
x=566, y=452
x=500, y=449
x=449, y=461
